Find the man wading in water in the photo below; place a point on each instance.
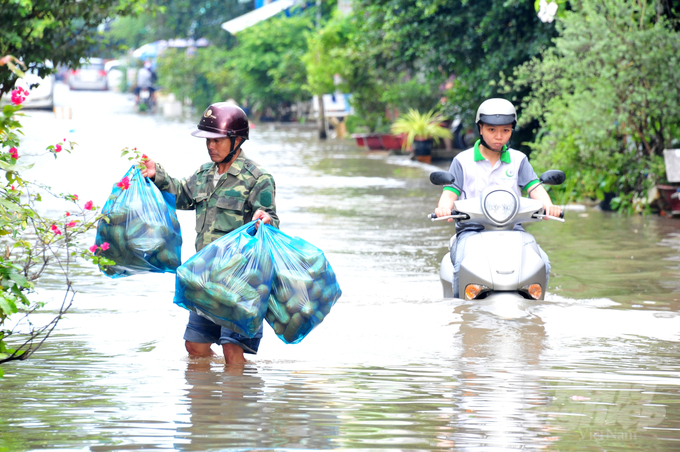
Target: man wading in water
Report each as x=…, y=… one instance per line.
x=226, y=194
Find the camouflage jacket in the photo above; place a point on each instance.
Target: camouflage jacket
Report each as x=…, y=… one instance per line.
x=240, y=192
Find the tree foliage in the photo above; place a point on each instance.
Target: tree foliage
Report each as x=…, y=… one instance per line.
x=607, y=97
x=61, y=31
x=475, y=41
x=173, y=19
x=31, y=241
x=264, y=69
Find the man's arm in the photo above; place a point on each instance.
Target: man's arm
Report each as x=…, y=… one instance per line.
x=180, y=188
x=262, y=199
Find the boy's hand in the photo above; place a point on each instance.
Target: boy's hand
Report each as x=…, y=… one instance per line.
x=552, y=210
x=443, y=212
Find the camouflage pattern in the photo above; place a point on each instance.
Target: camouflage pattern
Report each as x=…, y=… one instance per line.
x=240, y=192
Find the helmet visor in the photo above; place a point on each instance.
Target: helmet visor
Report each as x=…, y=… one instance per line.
x=497, y=120
x=205, y=134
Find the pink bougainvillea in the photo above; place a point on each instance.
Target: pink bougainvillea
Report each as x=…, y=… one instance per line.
x=89, y=205
x=124, y=184
x=19, y=96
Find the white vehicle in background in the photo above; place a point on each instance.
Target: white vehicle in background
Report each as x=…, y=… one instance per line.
x=90, y=75
x=42, y=93
x=114, y=74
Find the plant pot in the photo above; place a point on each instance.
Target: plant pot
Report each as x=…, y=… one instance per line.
x=391, y=142
x=360, y=139
x=373, y=142
x=422, y=150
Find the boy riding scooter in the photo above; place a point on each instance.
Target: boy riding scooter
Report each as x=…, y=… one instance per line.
x=490, y=163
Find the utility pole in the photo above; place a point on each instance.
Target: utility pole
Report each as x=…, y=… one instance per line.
x=321, y=119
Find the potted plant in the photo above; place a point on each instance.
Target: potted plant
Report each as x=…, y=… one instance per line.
x=420, y=131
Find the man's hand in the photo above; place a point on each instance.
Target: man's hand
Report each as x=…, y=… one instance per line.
x=262, y=215
x=150, y=168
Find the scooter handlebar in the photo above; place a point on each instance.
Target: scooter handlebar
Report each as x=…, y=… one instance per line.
x=454, y=215
x=432, y=216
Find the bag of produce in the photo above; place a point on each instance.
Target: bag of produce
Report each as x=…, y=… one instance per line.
x=304, y=288
x=142, y=228
x=228, y=281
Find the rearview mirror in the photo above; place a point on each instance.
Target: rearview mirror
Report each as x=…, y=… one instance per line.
x=441, y=178
x=553, y=177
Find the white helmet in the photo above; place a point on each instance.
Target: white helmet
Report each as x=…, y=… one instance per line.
x=496, y=112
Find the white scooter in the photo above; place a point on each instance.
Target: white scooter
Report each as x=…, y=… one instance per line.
x=506, y=264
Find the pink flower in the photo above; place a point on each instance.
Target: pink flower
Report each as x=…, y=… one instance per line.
x=64, y=140
x=18, y=96
x=105, y=246
x=71, y=224
x=57, y=148
x=124, y=184
x=14, y=153
x=56, y=230
x=68, y=214
x=13, y=188
x=75, y=197
x=93, y=248
x=89, y=206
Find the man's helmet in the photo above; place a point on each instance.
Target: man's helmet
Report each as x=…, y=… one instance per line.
x=496, y=112
x=221, y=120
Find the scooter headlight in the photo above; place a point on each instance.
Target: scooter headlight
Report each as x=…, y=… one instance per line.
x=534, y=290
x=472, y=291
x=500, y=206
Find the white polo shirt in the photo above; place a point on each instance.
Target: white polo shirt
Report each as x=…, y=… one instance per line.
x=473, y=173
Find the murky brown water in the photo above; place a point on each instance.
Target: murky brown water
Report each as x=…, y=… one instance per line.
x=594, y=367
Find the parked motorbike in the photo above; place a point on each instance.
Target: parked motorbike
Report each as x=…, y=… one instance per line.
x=146, y=100
x=506, y=263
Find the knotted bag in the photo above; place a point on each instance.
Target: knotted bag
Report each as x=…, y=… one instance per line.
x=304, y=288
x=141, y=228
x=228, y=281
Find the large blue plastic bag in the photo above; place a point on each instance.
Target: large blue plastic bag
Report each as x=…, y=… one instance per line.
x=228, y=281
x=142, y=229
x=304, y=289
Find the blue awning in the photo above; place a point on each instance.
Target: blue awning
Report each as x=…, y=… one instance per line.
x=255, y=16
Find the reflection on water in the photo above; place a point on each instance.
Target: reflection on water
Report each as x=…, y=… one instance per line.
x=593, y=367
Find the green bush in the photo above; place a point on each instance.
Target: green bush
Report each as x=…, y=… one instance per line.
x=607, y=98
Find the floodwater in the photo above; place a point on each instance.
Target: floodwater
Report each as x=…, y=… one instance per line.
x=394, y=366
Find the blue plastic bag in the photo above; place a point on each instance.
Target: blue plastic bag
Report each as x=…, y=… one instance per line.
x=142, y=232
x=228, y=281
x=304, y=289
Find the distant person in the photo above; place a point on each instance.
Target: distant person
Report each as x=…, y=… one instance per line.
x=146, y=78
x=226, y=193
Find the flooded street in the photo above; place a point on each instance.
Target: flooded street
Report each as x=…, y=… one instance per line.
x=596, y=366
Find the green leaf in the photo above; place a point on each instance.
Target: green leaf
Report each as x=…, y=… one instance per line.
x=7, y=306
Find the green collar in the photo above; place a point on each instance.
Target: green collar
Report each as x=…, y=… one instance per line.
x=505, y=155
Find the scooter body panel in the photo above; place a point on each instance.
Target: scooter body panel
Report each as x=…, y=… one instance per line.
x=503, y=261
